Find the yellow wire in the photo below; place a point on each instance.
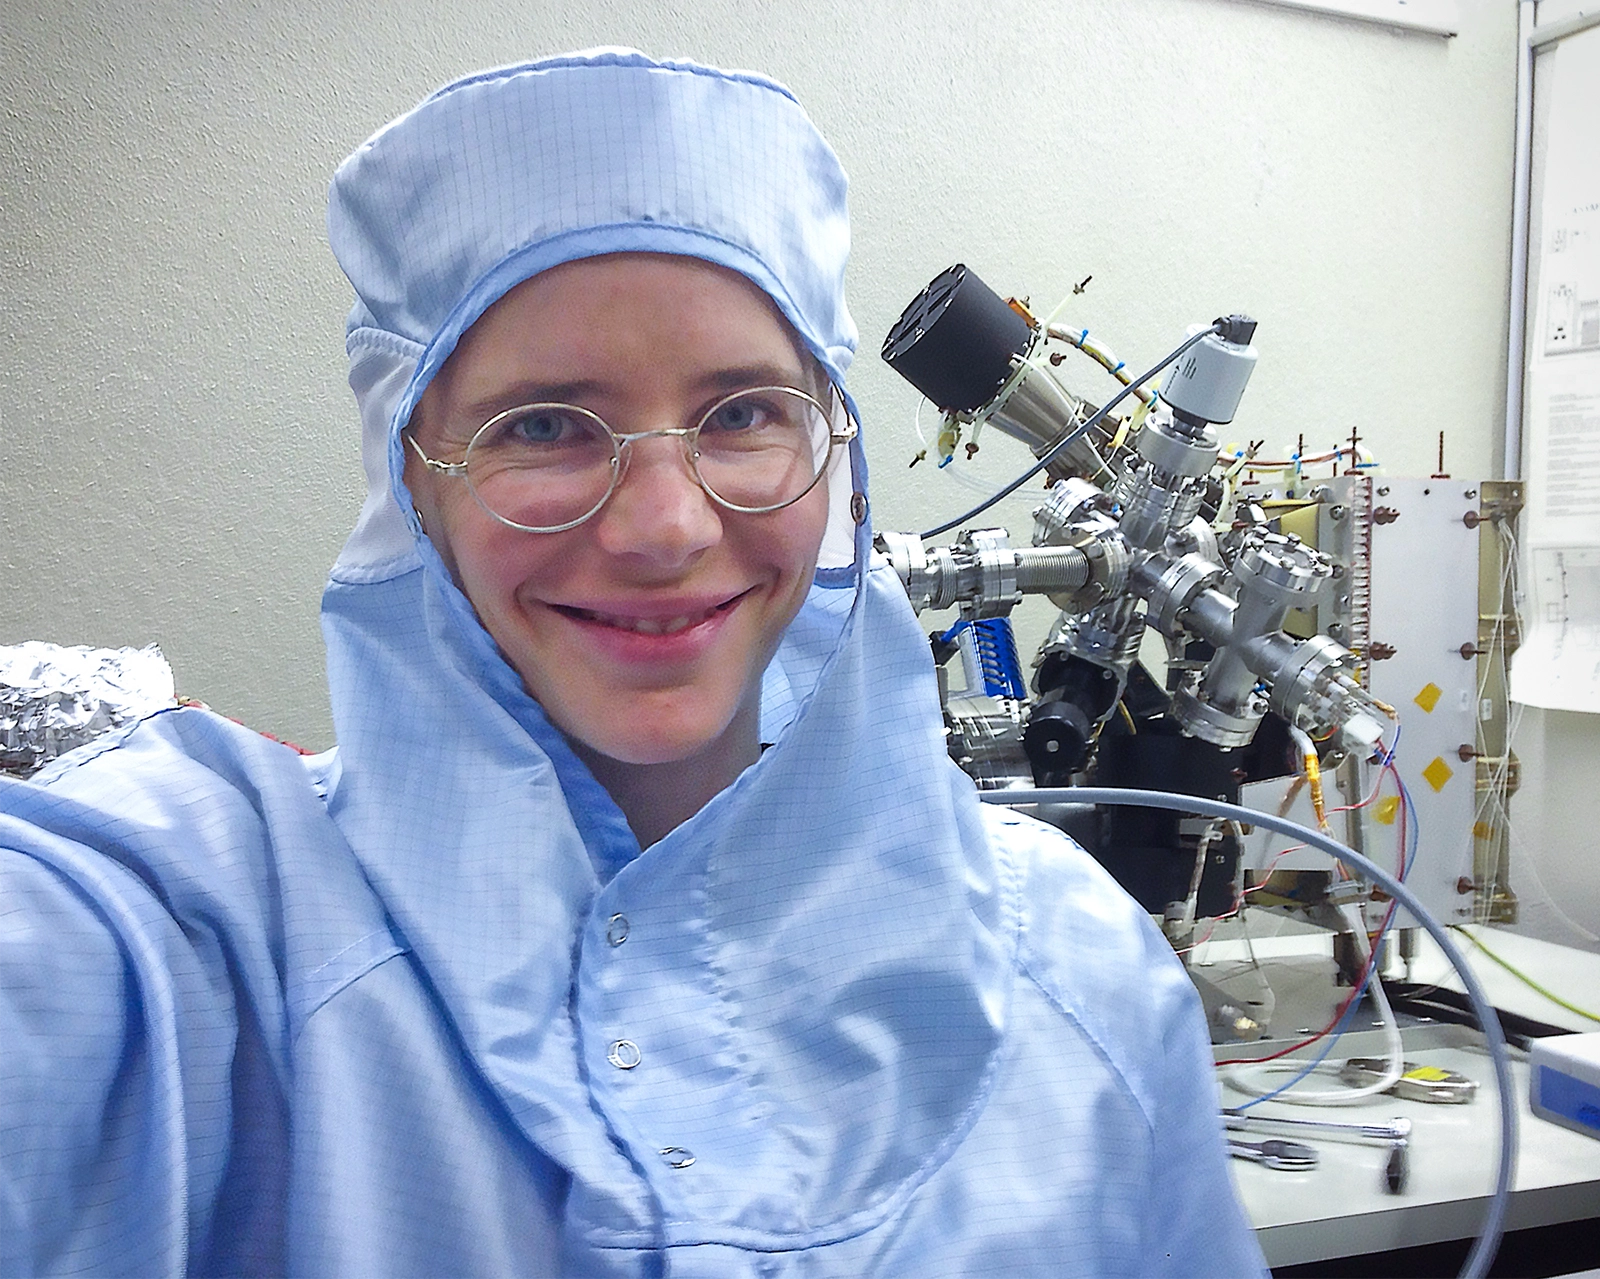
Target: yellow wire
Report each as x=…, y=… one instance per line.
x=1523, y=977
x=1314, y=777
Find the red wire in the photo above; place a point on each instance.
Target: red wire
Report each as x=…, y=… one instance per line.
x=1372, y=952
x=1360, y=985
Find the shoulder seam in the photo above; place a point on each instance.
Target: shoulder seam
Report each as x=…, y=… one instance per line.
x=1105, y=1055
x=382, y=947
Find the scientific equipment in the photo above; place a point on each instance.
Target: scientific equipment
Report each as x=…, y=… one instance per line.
x=1564, y=1081
x=1139, y=551
x=54, y=698
x=1143, y=527
x=1288, y=603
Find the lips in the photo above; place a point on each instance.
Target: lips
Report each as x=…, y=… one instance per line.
x=662, y=623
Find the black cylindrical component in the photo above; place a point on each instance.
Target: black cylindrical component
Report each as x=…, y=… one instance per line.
x=1063, y=677
x=1074, y=696
x=957, y=341
x=1057, y=740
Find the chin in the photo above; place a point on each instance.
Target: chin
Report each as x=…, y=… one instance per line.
x=642, y=738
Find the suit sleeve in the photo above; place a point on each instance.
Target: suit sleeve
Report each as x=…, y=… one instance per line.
x=1195, y=1225
x=109, y=1041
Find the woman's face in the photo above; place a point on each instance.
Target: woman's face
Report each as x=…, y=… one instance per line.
x=643, y=632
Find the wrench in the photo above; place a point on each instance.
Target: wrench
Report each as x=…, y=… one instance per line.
x=1286, y=1156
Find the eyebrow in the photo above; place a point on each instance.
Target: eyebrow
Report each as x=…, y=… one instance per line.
x=716, y=381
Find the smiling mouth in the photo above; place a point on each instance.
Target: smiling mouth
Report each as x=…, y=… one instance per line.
x=649, y=625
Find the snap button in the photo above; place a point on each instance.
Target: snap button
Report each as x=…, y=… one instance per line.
x=617, y=930
x=624, y=1054
x=858, y=507
x=677, y=1156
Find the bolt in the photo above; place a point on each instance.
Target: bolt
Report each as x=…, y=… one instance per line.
x=1336, y=512
x=1385, y=515
x=1384, y=491
x=1465, y=884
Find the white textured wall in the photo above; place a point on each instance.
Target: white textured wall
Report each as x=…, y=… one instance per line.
x=179, y=452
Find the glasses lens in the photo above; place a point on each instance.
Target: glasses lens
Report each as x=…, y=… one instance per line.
x=542, y=466
x=763, y=448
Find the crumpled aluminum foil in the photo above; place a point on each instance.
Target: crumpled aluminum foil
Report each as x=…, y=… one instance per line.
x=54, y=698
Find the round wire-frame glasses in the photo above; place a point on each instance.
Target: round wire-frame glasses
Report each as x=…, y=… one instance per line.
x=548, y=467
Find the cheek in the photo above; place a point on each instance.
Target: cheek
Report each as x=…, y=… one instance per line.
x=488, y=561
x=796, y=539
x=493, y=564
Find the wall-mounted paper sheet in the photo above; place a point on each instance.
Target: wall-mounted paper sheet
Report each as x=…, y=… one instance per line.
x=1558, y=665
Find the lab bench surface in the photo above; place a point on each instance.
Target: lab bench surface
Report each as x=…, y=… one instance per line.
x=1343, y=1208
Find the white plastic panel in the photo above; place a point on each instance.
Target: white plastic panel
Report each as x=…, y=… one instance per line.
x=1421, y=594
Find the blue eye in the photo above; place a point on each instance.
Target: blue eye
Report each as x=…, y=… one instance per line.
x=746, y=413
x=741, y=415
x=541, y=426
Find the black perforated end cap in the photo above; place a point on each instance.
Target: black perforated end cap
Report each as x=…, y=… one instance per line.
x=956, y=342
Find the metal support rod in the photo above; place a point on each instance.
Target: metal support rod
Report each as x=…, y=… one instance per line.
x=1550, y=32
x=1511, y=462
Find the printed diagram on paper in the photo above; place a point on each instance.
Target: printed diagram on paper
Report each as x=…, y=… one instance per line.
x=1572, y=282
x=1562, y=668
x=1558, y=665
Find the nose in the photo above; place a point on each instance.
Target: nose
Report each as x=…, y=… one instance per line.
x=658, y=511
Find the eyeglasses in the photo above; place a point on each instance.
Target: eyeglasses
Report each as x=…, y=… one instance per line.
x=545, y=468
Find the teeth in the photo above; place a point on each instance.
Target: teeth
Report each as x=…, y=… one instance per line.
x=655, y=626
x=648, y=625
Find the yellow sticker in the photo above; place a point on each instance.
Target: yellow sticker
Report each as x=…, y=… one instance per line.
x=1386, y=810
x=1429, y=697
x=1437, y=773
x=1483, y=830
x=1428, y=1074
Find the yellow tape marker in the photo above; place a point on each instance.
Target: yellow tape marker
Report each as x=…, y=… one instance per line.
x=1429, y=697
x=1428, y=1074
x=1437, y=774
x=1386, y=809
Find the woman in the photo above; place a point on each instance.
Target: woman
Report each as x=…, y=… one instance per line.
x=640, y=923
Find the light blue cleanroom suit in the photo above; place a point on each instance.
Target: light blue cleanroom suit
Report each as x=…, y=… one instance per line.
x=370, y=1015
